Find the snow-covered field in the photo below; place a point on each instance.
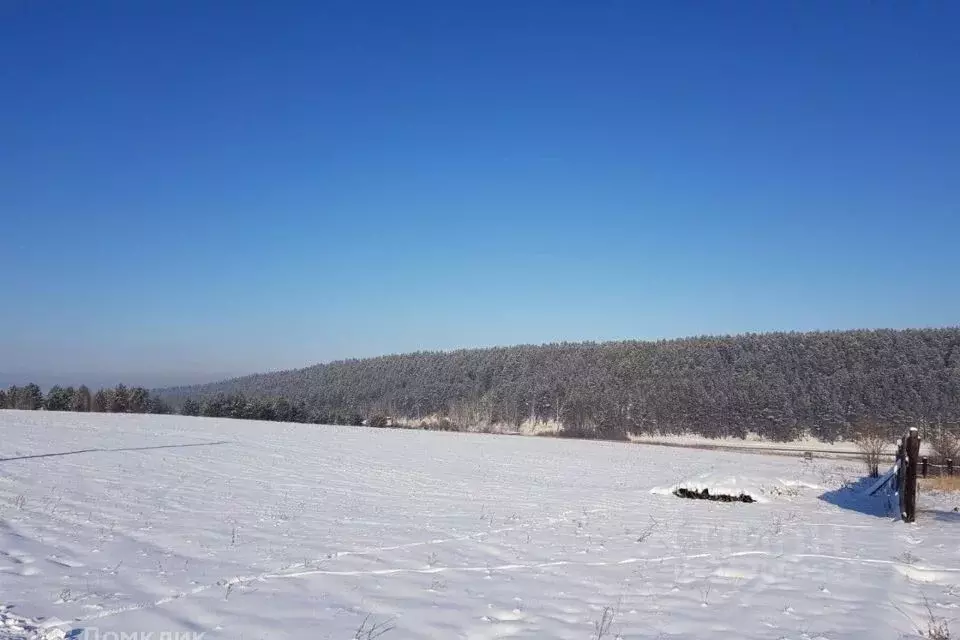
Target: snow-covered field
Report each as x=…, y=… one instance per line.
x=756, y=444
x=137, y=525
x=752, y=441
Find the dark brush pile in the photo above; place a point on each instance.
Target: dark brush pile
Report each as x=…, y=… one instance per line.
x=706, y=495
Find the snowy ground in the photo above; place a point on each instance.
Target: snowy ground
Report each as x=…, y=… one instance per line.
x=756, y=444
x=233, y=529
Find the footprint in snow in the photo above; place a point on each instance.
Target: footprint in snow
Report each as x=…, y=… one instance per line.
x=64, y=562
x=500, y=624
x=22, y=570
x=19, y=557
x=499, y=616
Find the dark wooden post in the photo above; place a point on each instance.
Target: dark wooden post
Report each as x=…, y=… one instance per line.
x=900, y=466
x=901, y=475
x=923, y=466
x=910, y=488
x=949, y=466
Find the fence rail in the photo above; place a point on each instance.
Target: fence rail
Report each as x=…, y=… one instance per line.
x=925, y=466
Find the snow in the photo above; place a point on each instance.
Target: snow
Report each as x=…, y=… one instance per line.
x=120, y=524
x=752, y=441
x=755, y=443
x=15, y=627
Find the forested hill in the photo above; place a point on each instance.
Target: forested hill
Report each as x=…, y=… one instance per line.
x=777, y=384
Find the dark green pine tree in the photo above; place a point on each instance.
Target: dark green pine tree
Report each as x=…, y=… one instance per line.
x=13, y=397
x=81, y=399
x=100, y=402
x=58, y=399
x=120, y=399
x=157, y=405
x=215, y=407
x=31, y=398
x=190, y=408
x=139, y=400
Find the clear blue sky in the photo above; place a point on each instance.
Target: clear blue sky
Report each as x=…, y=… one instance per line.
x=196, y=188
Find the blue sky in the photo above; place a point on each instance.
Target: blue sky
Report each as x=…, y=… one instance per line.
x=198, y=188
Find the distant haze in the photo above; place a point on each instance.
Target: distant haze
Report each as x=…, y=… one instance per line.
x=104, y=380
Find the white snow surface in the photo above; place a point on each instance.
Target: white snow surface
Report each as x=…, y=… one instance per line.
x=752, y=441
x=16, y=627
x=236, y=529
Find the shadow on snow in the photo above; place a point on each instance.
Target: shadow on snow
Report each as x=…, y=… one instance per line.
x=159, y=446
x=853, y=496
x=952, y=517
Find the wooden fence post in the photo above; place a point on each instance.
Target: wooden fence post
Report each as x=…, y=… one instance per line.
x=910, y=486
x=901, y=475
x=949, y=466
x=900, y=452
x=923, y=466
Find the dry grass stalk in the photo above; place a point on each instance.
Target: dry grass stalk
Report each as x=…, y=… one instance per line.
x=941, y=483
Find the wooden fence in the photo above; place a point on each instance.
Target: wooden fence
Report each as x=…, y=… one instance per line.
x=944, y=469
x=902, y=478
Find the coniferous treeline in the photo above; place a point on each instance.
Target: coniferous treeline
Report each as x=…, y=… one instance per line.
x=119, y=399
x=779, y=385
x=122, y=399
x=238, y=406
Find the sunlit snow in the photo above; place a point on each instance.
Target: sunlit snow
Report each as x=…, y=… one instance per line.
x=122, y=524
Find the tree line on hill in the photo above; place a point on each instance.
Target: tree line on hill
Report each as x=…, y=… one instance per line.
x=123, y=399
x=236, y=405
x=779, y=385
x=119, y=399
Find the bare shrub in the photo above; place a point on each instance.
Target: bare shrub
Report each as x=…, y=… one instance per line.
x=871, y=437
x=585, y=431
x=944, y=440
x=647, y=532
x=445, y=424
x=705, y=589
x=378, y=421
x=369, y=630
x=937, y=628
x=941, y=483
x=472, y=413
x=601, y=627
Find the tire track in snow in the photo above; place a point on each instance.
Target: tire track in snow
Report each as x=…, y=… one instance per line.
x=332, y=556
x=905, y=567
x=461, y=538
x=263, y=577
x=902, y=567
x=906, y=570
x=502, y=567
